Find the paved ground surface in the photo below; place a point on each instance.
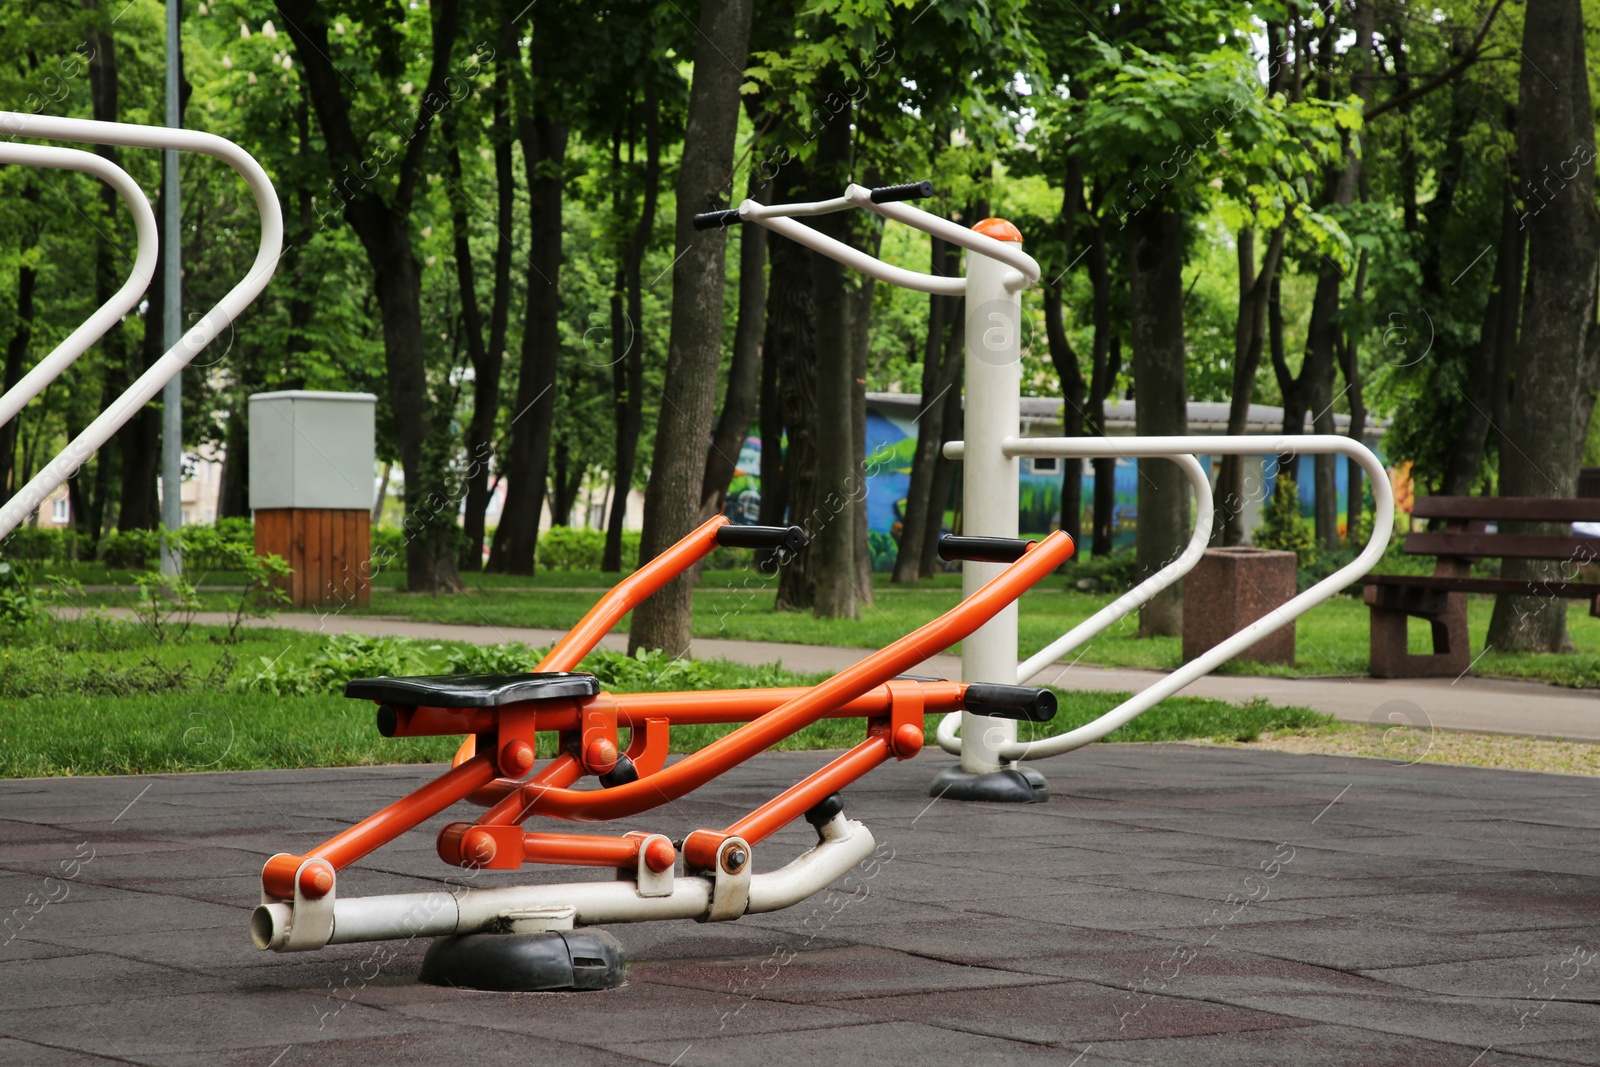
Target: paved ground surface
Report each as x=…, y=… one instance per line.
x=1171, y=905
x=1486, y=705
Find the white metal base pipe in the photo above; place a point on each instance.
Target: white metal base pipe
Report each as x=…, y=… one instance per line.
x=400, y=916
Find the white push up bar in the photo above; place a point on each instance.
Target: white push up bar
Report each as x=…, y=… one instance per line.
x=1182, y=448
x=97, y=433
x=122, y=301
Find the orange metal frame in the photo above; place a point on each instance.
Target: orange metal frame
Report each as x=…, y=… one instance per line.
x=492, y=768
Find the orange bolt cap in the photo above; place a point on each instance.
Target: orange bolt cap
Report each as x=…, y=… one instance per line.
x=601, y=755
x=907, y=740
x=316, y=881
x=659, y=855
x=516, y=758
x=999, y=229
x=478, y=847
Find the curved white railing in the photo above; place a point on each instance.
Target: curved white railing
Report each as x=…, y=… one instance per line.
x=778, y=218
x=98, y=432
x=1142, y=593
x=1173, y=447
x=122, y=301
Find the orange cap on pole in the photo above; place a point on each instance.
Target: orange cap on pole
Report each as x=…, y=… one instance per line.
x=999, y=229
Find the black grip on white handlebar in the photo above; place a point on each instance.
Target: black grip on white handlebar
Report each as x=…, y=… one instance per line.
x=909, y=191
x=711, y=220
x=952, y=547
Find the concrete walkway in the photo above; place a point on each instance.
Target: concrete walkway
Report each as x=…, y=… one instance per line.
x=1483, y=705
x=1171, y=906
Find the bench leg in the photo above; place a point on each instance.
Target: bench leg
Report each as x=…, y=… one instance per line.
x=1387, y=649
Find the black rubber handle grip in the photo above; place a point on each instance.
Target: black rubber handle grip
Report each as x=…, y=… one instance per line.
x=909, y=191
x=982, y=549
x=1021, y=702
x=769, y=538
x=712, y=220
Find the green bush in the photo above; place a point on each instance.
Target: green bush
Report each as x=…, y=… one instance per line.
x=344, y=657
x=1115, y=571
x=238, y=529
x=34, y=544
x=131, y=549
x=20, y=606
x=227, y=546
x=388, y=548
x=563, y=548
x=509, y=658
x=1283, y=528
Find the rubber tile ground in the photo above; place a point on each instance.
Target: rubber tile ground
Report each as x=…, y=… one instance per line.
x=1170, y=905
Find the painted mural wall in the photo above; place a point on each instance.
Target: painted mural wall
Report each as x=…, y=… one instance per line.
x=891, y=442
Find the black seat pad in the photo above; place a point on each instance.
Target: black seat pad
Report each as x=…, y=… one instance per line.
x=473, y=690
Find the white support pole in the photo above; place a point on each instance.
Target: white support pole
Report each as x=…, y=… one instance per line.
x=989, y=480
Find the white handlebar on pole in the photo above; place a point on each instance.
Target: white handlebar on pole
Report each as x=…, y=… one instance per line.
x=98, y=432
x=1104, y=447
x=122, y=301
x=779, y=219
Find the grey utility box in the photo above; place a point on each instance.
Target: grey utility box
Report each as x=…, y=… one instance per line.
x=312, y=450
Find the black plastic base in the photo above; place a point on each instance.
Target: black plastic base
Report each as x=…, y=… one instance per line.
x=527, y=963
x=1013, y=785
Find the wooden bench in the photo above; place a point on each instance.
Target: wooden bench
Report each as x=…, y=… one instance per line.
x=1441, y=597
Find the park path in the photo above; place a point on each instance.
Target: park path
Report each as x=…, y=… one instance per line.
x=1483, y=705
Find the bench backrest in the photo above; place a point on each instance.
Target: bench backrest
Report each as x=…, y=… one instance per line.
x=1468, y=515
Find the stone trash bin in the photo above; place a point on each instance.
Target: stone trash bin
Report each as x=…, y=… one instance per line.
x=1229, y=589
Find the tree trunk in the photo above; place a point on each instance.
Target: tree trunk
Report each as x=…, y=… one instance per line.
x=774, y=496
x=488, y=356
x=1350, y=366
x=1496, y=342
x=1073, y=395
x=135, y=435
x=791, y=334
x=950, y=429
x=567, y=482
x=544, y=149
x=17, y=345
x=1106, y=364
x=233, y=496
x=139, y=440
x=627, y=371
x=384, y=229
x=859, y=302
x=1322, y=343
x=833, y=535
x=672, y=501
x=919, y=501
x=1249, y=336
x=1558, y=364
x=1065, y=360
x=744, y=376
x=1155, y=302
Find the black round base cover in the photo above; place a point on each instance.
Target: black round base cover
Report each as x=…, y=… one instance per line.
x=527, y=963
x=1013, y=785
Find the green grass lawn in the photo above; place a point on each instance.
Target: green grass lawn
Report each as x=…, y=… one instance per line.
x=104, y=698
x=1330, y=640
x=197, y=731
